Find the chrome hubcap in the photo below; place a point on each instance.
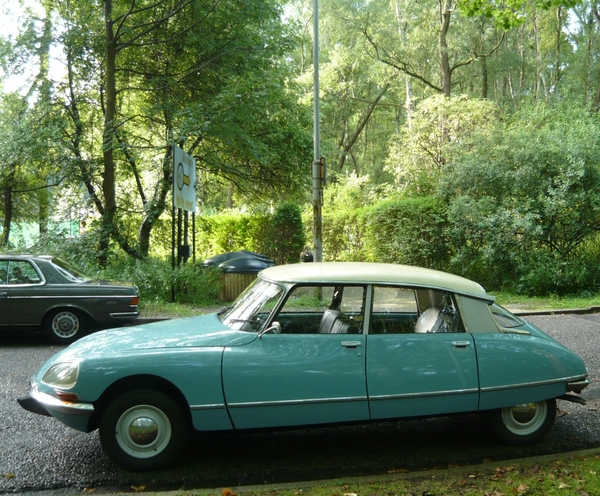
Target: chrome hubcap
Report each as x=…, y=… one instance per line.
x=526, y=418
x=143, y=431
x=65, y=324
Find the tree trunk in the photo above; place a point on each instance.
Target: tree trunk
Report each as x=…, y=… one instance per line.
x=408, y=103
x=8, y=214
x=445, y=75
x=108, y=180
x=156, y=206
x=484, y=78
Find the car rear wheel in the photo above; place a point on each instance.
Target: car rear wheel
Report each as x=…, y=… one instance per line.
x=65, y=326
x=143, y=430
x=526, y=423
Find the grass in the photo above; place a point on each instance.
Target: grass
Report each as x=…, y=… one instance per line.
x=547, y=302
x=172, y=310
x=561, y=475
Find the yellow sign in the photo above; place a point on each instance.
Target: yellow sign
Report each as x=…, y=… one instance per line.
x=184, y=180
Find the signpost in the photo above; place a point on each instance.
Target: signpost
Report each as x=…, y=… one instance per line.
x=184, y=201
x=184, y=180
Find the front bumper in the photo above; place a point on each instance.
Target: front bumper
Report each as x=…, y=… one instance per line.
x=75, y=415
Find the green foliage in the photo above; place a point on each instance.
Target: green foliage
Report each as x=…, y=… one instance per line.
x=439, y=125
x=523, y=199
x=409, y=232
x=345, y=235
x=224, y=233
x=279, y=236
x=508, y=13
x=286, y=234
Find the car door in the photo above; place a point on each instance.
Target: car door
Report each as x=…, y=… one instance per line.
x=417, y=365
x=307, y=374
x=28, y=300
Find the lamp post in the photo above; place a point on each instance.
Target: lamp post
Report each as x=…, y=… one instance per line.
x=318, y=165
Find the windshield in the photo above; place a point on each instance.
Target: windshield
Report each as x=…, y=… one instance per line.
x=68, y=272
x=504, y=318
x=253, y=306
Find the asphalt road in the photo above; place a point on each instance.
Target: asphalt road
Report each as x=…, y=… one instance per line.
x=40, y=456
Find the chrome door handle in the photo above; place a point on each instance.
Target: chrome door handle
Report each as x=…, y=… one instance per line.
x=461, y=344
x=351, y=344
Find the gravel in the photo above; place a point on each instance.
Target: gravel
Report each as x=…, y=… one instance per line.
x=41, y=456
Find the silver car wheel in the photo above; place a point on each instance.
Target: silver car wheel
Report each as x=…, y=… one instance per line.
x=525, y=419
x=63, y=326
x=525, y=423
x=143, y=431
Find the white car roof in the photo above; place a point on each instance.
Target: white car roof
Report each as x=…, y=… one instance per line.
x=372, y=273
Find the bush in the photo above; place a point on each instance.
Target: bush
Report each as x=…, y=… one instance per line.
x=286, y=234
x=410, y=231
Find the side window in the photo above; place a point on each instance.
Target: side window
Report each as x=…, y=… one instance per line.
x=404, y=310
x=317, y=309
x=394, y=310
x=22, y=273
x=3, y=272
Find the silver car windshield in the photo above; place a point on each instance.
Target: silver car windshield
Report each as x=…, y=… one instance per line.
x=253, y=306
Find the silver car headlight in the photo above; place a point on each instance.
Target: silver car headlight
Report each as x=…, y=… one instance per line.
x=62, y=375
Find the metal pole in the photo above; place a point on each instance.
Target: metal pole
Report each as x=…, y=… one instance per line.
x=318, y=161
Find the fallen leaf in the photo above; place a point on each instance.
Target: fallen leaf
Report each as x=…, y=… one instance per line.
x=563, y=486
x=138, y=489
x=522, y=488
x=227, y=492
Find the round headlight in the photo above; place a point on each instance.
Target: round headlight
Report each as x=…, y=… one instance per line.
x=62, y=375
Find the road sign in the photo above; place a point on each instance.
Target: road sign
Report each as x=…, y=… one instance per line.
x=184, y=180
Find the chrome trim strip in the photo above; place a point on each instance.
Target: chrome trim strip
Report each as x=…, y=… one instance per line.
x=73, y=296
x=531, y=384
x=312, y=401
x=423, y=395
x=578, y=386
x=53, y=404
x=124, y=315
x=216, y=406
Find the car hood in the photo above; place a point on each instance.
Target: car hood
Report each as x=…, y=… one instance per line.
x=191, y=332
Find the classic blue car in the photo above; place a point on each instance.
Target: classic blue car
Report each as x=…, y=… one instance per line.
x=311, y=344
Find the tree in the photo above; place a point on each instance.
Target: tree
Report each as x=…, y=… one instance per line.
x=524, y=198
x=509, y=13
x=145, y=75
x=419, y=153
x=428, y=39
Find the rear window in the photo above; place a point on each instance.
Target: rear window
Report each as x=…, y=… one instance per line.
x=70, y=273
x=504, y=318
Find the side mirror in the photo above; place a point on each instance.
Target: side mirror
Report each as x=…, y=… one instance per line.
x=275, y=328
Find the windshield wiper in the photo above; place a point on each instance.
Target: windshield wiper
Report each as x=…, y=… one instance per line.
x=224, y=309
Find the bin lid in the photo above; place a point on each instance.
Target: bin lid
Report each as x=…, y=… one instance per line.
x=241, y=261
x=244, y=265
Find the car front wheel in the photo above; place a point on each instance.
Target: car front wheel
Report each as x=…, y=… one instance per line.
x=65, y=326
x=526, y=423
x=143, y=430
